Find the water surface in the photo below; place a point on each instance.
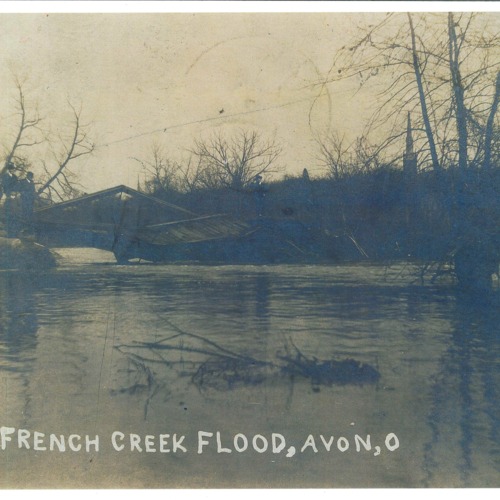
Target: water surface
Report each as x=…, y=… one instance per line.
x=68, y=365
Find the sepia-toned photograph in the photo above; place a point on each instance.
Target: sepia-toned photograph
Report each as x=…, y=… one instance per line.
x=250, y=249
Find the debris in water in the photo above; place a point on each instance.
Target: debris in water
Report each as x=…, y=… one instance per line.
x=212, y=366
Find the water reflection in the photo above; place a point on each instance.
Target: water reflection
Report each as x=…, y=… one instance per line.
x=18, y=336
x=18, y=322
x=464, y=411
x=262, y=302
x=437, y=355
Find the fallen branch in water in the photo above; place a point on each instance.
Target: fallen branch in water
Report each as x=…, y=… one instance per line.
x=219, y=350
x=220, y=368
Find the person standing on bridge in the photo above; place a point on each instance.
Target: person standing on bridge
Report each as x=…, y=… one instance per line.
x=259, y=192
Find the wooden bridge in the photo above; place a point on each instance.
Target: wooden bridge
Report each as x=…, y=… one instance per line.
x=132, y=225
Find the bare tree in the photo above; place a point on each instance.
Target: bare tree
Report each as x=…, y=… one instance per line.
x=30, y=143
x=163, y=174
x=335, y=156
x=422, y=95
x=60, y=179
x=191, y=175
x=235, y=162
x=342, y=159
x=28, y=133
x=488, y=134
x=445, y=69
x=441, y=68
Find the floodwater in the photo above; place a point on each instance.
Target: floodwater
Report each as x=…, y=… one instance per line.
x=79, y=357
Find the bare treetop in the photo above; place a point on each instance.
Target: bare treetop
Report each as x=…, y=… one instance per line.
x=440, y=67
x=234, y=162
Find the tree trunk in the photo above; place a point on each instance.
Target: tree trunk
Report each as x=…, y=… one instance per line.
x=422, y=97
x=488, y=135
x=458, y=93
x=475, y=264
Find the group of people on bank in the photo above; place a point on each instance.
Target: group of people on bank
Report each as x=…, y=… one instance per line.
x=19, y=201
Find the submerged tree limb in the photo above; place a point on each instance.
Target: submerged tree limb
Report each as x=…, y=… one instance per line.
x=224, y=369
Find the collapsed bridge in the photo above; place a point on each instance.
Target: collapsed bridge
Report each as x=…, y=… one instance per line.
x=131, y=224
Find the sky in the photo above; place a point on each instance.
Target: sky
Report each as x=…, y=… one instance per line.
x=170, y=79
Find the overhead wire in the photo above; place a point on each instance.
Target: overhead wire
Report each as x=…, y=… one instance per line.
x=204, y=120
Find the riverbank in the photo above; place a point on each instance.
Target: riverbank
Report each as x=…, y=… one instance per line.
x=26, y=255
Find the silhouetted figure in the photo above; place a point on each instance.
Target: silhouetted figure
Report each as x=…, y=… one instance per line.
x=12, y=216
x=9, y=184
x=9, y=181
x=28, y=195
x=259, y=193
